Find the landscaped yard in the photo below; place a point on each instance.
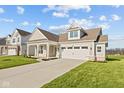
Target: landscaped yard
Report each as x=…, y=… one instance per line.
x=12, y=61
x=93, y=75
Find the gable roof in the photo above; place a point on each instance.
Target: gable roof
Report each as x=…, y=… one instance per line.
x=91, y=34
x=22, y=32
x=103, y=38
x=2, y=41
x=49, y=35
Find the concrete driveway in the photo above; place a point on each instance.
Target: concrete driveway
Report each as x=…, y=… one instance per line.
x=36, y=75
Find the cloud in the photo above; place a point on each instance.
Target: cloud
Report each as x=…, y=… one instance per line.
x=115, y=17
x=90, y=17
x=38, y=24
x=20, y=10
x=63, y=10
x=60, y=14
x=85, y=23
x=104, y=26
x=6, y=20
x=49, y=7
x=1, y=10
x=116, y=37
x=116, y=6
x=25, y=23
x=103, y=18
x=58, y=29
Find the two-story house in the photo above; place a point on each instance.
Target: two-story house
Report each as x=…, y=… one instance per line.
x=15, y=44
x=75, y=43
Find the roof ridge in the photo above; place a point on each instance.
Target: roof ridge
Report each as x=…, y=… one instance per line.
x=47, y=31
x=93, y=28
x=22, y=30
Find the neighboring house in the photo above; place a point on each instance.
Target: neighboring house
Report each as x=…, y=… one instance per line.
x=15, y=44
x=3, y=47
x=76, y=43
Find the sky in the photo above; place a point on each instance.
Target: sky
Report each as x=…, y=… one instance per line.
x=57, y=19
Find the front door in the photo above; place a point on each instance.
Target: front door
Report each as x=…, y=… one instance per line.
x=41, y=51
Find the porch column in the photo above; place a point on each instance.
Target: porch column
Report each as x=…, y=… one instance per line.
x=37, y=50
x=27, y=50
x=47, y=50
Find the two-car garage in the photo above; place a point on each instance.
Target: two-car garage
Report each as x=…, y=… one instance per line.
x=72, y=51
x=12, y=51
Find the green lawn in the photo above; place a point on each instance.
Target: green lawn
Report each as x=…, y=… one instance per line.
x=12, y=61
x=93, y=75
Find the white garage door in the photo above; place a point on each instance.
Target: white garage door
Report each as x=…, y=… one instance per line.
x=75, y=52
x=12, y=51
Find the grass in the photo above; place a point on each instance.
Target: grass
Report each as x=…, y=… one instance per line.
x=12, y=61
x=93, y=75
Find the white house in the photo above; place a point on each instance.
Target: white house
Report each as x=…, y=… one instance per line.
x=15, y=44
x=75, y=43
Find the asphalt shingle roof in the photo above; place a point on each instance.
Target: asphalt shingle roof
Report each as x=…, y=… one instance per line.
x=49, y=35
x=2, y=41
x=91, y=34
x=22, y=32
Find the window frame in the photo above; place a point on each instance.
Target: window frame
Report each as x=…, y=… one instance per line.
x=99, y=49
x=76, y=47
x=13, y=40
x=41, y=49
x=84, y=47
x=73, y=34
x=18, y=39
x=63, y=48
x=69, y=48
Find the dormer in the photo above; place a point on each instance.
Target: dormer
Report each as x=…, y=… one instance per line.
x=8, y=38
x=75, y=31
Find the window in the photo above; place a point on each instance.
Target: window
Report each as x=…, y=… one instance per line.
x=18, y=39
x=63, y=48
x=41, y=50
x=73, y=34
x=84, y=47
x=76, y=47
x=69, y=47
x=99, y=49
x=90, y=48
x=8, y=42
x=13, y=40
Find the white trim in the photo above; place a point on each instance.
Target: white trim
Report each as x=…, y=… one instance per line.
x=36, y=29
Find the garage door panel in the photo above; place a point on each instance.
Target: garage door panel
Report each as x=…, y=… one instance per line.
x=75, y=53
x=66, y=53
x=12, y=51
x=81, y=54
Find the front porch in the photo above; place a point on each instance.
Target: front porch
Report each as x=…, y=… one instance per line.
x=3, y=50
x=42, y=50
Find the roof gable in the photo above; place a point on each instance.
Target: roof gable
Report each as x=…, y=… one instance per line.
x=91, y=34
x=49, y=35
x=37, y=35
x=103, y=38
x=19, y=32
x=22, y=32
